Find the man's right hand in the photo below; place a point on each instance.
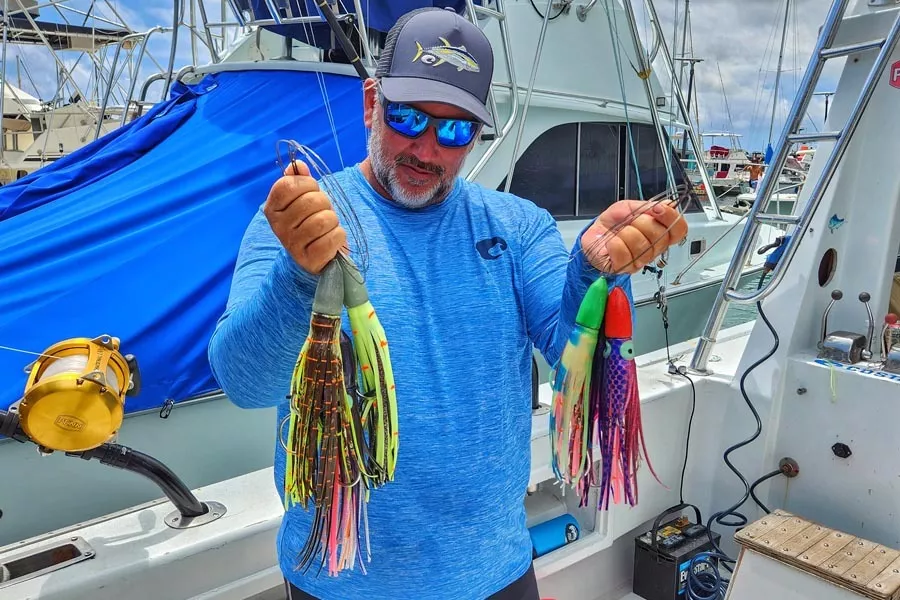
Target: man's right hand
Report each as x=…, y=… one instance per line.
x=302, y=218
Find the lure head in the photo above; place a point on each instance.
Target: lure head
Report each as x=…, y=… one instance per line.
x=593, y=306
x=617, y=322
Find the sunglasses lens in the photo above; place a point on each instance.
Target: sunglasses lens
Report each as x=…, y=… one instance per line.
x=411, y=122
x=455, y=132
x=406, y=120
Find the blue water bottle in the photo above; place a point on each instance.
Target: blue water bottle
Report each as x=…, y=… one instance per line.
x=553, y=534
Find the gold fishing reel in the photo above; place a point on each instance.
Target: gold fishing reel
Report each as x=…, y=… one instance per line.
x=74, y=399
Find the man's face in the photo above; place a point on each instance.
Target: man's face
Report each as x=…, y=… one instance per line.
x=415, y=172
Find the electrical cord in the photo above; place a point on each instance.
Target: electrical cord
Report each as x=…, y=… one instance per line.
x=662, y=305
x=706, y=583
x=759, y=481
x=704, y=579
x=709, y=584
x=687, y=443
x=541, y=15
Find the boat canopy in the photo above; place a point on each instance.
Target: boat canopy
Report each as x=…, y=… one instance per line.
x=136, y=234
x=378, y=15
x=60, y=36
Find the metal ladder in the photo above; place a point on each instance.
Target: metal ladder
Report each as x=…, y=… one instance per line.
x=823, y=52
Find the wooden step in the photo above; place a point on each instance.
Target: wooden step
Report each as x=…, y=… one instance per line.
x=859, y=565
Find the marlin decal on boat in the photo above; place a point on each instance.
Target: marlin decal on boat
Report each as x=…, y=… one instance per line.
x=457, y=56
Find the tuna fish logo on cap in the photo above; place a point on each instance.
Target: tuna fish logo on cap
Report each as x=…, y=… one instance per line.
x=457, y=56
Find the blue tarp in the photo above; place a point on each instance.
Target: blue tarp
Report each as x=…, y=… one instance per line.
x=379, y=15
x=136, y=234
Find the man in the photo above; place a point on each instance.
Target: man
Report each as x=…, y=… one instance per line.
x=755, y=169
x=466, y=281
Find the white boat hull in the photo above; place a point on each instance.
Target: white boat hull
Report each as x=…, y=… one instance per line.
x=137, y=556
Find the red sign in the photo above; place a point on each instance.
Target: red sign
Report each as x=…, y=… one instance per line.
x=895, y=74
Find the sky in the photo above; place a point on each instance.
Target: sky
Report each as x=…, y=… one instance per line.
x=737, y=40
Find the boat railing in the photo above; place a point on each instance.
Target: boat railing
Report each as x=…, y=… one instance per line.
x=500, y=134
x=758, y=215
x=142, y=38
x=91, y=33
x=660, y=48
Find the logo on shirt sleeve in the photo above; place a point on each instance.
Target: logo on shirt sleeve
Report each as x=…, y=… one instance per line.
x=491, y=248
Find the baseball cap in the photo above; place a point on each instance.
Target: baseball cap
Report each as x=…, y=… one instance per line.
x=436, y=55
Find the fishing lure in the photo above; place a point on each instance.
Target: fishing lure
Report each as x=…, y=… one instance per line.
x=379, y=412
x=621, y=430
x=596, y=404
x=573, y=417
x=342, y=433
x=316, y=471
x=595, y=395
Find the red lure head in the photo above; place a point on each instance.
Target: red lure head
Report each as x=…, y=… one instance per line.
x=617, y=319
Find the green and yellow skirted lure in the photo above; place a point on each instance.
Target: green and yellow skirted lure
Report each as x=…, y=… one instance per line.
x=379, y=414
x=342, y=425
x=572, y=422
x=342, y=441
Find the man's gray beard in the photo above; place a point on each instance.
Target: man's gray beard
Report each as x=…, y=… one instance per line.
x=386, y=175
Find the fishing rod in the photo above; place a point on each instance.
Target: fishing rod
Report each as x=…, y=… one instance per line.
x=342, y=38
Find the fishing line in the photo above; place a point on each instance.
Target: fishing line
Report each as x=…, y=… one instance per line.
x=614, y=33
x=11, y=349
x=350, y=52
x=682, y=194
x=323, y=90
x=340, y=201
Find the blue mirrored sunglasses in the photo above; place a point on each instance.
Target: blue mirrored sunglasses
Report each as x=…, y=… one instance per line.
x=412, y=122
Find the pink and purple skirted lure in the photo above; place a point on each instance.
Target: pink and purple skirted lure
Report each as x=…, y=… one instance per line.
x=596, y=404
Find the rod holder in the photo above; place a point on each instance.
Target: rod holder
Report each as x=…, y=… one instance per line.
x=190, y=512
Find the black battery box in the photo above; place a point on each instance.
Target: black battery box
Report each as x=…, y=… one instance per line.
x=663, y=554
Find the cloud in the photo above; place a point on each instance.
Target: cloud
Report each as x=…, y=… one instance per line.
x=739, y=43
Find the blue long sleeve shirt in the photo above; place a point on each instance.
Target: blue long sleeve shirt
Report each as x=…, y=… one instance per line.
x=466, y=290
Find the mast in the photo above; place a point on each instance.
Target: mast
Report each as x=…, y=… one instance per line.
x=787, y=12
x=684, y=32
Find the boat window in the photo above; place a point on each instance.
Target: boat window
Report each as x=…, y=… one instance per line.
x=545, y=173
x=598, y=158
x=598, y=167
x=650, y=177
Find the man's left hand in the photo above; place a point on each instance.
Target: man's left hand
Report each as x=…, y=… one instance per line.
x=637, y=244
